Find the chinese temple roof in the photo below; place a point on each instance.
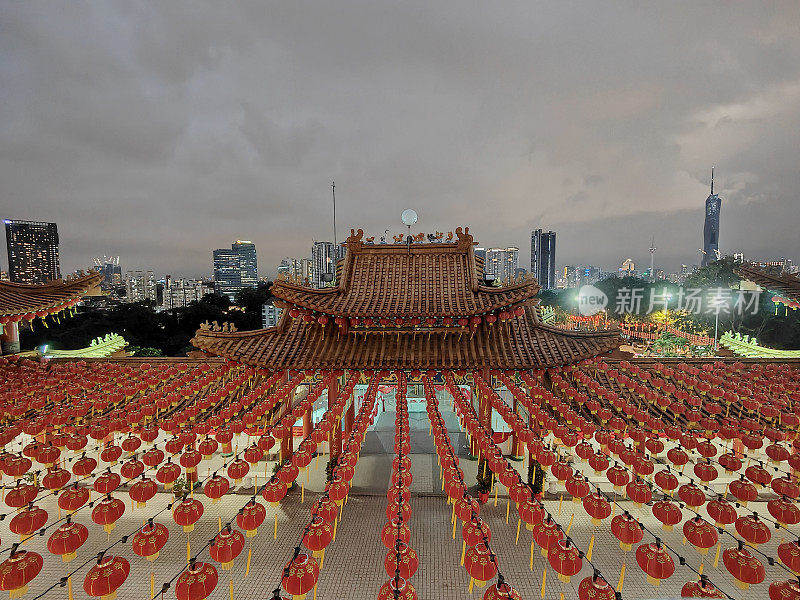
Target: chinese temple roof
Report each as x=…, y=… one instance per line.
x=784, y=283
x=407, y=307
x=398, y=280
x=26, y=299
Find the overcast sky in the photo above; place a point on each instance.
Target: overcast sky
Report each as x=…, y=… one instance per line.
x=159, y=131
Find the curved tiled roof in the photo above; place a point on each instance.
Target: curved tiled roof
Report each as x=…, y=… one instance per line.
x=418, y=280
x=521, y=343
x=784, y=283
x=22, y=298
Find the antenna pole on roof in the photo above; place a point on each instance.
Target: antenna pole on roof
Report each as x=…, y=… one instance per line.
x=335, y=246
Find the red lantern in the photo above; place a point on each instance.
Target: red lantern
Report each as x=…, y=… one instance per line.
x=479, y=564
x=546, y=534
x=565, y=559
x=149, y=540
x=393, y=531
x=251, y=518
x=72, y=498
x=67, y=539
x=702, y=588
x=238, y=470
x=668, y=513
x=17, y=571
x=655, y=562
x=789, y=553
x=597, y=507
x=197, y=582
x=745, y=568
x=753, y=530
x=301, y=574
x=227, y=545
x=21, y=495
x=142, y=491
x=107, y=512
x=784, y=510
x=397, y=588
x=700, y=534
x=187, y=513
x=595, y=587
x=784, y=590
x=627, y=530
x=692, y=495
x=531, y=513
x=318, y=536
x=105, y=578
x=403, y=558
x=216, y=487
x=501, y=591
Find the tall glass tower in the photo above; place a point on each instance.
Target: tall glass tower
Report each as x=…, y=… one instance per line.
x=543, y=258
x=711, y=226
x=32, y=251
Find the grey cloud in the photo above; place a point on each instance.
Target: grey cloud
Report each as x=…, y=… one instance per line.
x=159, y=131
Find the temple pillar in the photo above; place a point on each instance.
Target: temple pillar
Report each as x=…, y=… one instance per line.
x=287, y=441
x=336, y=434
x=308, y=422
x=350, y=416
x=10, y=338
x=515, y=444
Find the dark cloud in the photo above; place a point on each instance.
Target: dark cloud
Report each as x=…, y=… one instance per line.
x=159, y=131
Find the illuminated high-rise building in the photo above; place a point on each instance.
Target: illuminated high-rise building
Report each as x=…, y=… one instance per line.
x=543, y=258
x=711, y=226
x=501, y=264
x=32, y=251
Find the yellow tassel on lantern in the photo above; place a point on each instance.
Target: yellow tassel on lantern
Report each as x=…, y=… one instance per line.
x=530, y=560
x=560, y=502
x=621, y=578
x=219, y=524
x=495, y=495
x=230, y=588
x=700, y=570
x=249, y=556
x=69, y=588
x=152, y=584
x=544, y=581
x=471, y=582
x=302, y=493
x=516, y=541
x=188, y=553
x=463, y=552
x=275, y=529
x=454, y=528
x=716, y=556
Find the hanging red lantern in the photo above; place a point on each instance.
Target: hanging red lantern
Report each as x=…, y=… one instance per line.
x=142, y=491
x=107, y=483
x=149, y=540
x=627, y=530
x=318, y=536
x=21, y=495
x=639, y=492
x=784, y=510
x=197, y=582
x=403, y=558
x=397, y=588
x=216, y=487
x=692, y=495
x=106, y=576
x=479, y=564
x=67, y=539
x=531, y=513
x=595, y=587
x=565, y=559
x=700, y=534
x=784, y=590
x=18, y=570
x=597, y=507
x=187, y=512
x=251, y=517
x=655, y=562
x=107, y=512
x=547, y=533
x=753, y=530
x=745, y=568
x=238, y=470
x=168, y=474
x=393, y=531
x=743, y=490
x=301, y=575
x=72, y=498
x=501, y=591
x=789, y=554
x=702, y=588
x=227, y=545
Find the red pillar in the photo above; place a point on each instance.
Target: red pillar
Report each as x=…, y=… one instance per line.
x=308, y=422
x=287, y=441
x=350, y=416
x=515, y=444
x=336, y=435
x=10, y=338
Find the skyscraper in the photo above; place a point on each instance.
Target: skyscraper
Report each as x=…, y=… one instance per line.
x=543, y=258
x=32, y=251
x=711, y=226
x=227, y=272
x=323, y=262
x=247, y=261
x=236, y=268
x=502, y=263
x=140, y=286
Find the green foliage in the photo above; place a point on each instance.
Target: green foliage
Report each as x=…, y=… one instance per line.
x=168, y=332
x=537, y=484
x=329, y=468
x=180, y=487
x=485, y=477
x=144, y=351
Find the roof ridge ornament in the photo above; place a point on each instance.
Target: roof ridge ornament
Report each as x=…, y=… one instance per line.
x=465, y=240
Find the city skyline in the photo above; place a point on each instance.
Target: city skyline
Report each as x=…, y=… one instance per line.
x=156, y=137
